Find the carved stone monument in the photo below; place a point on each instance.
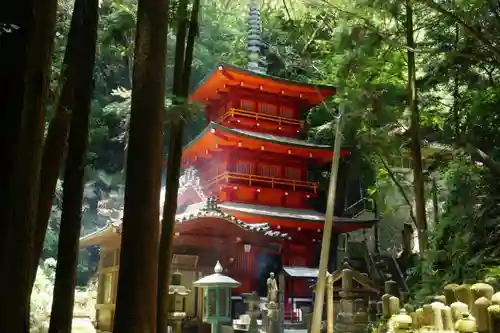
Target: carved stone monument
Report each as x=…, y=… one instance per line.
x=252, y=300
x=273, y=307
x=346, y=320
x=272, y=289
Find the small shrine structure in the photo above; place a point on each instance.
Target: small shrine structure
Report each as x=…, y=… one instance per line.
x=350, y=291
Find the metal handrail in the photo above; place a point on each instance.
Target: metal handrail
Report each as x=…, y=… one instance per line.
x=260, y=116
x=226, y=176
x=364, y=206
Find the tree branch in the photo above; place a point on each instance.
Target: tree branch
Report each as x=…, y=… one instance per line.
x=367, y=24
x=399, y=186
x=313, y=36
x=487, y=41
x=480, y=156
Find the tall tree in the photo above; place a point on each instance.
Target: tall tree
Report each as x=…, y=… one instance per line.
x=416, y=153
x=182, y=73
x=137, y=285
x=16, y=22
x=15, y=318
x=82, y=39
x=57, y=133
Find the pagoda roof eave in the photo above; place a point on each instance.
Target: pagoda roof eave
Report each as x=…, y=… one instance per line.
x=290, y=213
x=323, y=152
x=211, y=83
x=271, y=211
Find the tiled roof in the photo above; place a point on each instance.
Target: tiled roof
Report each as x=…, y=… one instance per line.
x=210, y=208
x=291, y=213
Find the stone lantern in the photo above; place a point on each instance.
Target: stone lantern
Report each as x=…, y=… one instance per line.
x=177, y=305
x=216, y=297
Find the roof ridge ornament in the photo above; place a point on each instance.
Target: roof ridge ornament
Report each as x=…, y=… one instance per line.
x=211, y=203
x=190, y=179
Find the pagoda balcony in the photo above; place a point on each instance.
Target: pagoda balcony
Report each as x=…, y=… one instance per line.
x=235, y=114
x=257, y=180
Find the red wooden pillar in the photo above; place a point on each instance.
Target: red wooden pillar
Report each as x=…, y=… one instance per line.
x=245, y=271
x=286, y=261
x=252, y=271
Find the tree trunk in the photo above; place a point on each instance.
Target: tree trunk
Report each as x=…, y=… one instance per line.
x=418, y=175
x=12, y=66
x=84, y=31
x=55, y=142
x=435, y=201
x=15, y=317
x=182, y=70
x=53, y=156
x=168, y=221
x=400, y=188
x=137, y=285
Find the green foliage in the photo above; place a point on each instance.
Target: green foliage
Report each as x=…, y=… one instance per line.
x=464, y=245
x=41, y=297
x=358, y=46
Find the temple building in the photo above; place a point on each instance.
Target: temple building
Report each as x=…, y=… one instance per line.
x=245, y=192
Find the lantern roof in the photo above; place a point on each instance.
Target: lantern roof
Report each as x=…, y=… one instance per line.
x=217, y=279
x=178, y=290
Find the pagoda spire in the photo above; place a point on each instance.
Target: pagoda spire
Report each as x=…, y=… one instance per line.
x=254, y=41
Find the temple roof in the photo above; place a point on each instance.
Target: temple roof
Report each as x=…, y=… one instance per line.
x=288, y=213
x=226, y=76
x=300, y=272
x=280, y=139
x=272, y=211
x=95, y=237
x=207, y=209
x=210, y=208
x=215, y=136
x=256, y=135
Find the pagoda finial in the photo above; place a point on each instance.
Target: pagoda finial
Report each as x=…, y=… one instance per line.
x=254, y=41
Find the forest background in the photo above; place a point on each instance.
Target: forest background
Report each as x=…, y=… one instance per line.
x=362, y=48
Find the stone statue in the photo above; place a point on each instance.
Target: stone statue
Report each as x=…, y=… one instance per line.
x=272, y=289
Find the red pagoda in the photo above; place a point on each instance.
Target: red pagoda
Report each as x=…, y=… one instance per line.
x=245, y=188
x=244, y=191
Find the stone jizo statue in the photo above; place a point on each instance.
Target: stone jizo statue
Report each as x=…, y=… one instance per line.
x=272, y=289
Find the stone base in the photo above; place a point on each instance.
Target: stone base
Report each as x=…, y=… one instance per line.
x=354, y=328
x=82, y=324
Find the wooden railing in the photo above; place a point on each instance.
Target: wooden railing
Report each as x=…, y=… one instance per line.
x=398, y=269
x=261, y=116
x=256, y=179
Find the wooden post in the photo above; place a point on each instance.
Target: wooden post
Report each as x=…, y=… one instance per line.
x=330, y=311
x=327, y=231
x=281, y=299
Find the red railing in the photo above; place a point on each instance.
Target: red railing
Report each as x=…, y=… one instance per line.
x=257, y=179
x=232, y=112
